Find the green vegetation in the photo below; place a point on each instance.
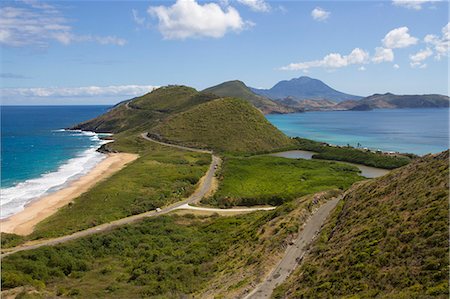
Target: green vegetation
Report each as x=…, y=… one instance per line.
x=273, y=180
x=147, y=110
x=163, y=257
x=388, y=239
x=226, y=125
x=238, y=89
x=160, y=176
x=353, y=155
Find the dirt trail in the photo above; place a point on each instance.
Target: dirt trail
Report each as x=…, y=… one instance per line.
x=294, y=253
x=205, y=187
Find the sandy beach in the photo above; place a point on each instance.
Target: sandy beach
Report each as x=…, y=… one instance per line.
x=23, y=222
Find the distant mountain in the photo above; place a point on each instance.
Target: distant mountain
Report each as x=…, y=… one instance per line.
x=304, y=88
x=392, y=101
x=238, y=89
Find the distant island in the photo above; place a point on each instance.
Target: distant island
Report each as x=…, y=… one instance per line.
x=308, y=94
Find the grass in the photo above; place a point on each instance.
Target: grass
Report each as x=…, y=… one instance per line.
x=163, y=257
x=225, y=125
x=147, y=110
x=354, y=155
x=237, y=89
x=160, y=176
x=388, y=239
x=273, y=180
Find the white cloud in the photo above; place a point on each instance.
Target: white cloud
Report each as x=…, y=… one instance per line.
x=187, y=19
x=421, y=55
x=331, y=61
x=320, y=14
x=256, y=5
x=362, y=68
x=396, y=66
x=418, y=58
x=382, y=55
x=441, y=44
x=411, y=4
x=38, y=24
x=86, y=91
x=139, y=20
x=399, y=38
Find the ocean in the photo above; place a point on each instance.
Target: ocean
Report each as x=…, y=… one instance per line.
x=418, y=131
x=38, y=156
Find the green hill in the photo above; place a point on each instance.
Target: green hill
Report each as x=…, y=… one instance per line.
x=146, y=110
x=388, y=238
x=229, y=125
x=238, y=89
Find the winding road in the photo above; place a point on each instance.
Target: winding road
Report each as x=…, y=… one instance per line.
x=205, y=187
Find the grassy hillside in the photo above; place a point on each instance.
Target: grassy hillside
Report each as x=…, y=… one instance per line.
x=160, y=176
x=238, y=89
x=146, y=110
x=229, y=125
x=388, y=239
x=392, y=101
x=273, y=180
x=164, y=257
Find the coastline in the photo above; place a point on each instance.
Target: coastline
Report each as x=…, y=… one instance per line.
x=24, y=221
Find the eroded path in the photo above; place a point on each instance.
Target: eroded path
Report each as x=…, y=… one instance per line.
x=294, y=252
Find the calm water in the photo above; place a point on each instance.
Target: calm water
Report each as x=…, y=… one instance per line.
x=418, y=131
x=38, y=156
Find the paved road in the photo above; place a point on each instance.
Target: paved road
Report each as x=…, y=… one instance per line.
x=204, y=188
x=294, y=253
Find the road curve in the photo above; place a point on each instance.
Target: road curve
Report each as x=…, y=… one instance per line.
x=205, y=186
x=145, y=136
x=294, y=253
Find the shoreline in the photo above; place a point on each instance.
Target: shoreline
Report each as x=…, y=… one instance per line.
x=23, y=222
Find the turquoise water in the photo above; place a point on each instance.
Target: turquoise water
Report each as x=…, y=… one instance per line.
x=38, y=155
x=418, y=131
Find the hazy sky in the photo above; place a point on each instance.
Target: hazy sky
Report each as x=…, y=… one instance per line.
x=87, y=52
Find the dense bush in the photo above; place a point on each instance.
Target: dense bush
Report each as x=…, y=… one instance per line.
x=353, y=155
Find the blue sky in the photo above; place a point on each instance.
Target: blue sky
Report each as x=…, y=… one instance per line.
x=102, y=52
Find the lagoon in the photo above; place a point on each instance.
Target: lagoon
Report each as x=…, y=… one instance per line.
x=418, y=131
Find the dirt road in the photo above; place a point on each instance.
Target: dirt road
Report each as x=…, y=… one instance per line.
x=293, y=253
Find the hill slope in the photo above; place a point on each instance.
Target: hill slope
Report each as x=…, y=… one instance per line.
x=388, y=239
x=237, y=89
x=228, y=124
x=392, y=101
x=304, y=88
x=146, y=110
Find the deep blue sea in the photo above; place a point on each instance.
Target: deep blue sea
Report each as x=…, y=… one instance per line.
x=38, y=156
x=418, y=131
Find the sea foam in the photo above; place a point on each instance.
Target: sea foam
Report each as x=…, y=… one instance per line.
x=14, y=199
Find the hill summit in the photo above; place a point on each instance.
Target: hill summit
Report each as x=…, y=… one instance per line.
x=304, y=88
x=182, y=115
x=238, y=89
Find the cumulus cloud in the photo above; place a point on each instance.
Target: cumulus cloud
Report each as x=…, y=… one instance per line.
x=331, y=61
x=189, y=19
x=399, y=38
x=256, y=5
x=320, y=14
x=362, y=68
x=383, y=55
x=396, y=66
x=418, y=58
x=411, y=4
x=38, y=24
x=86, y=91
x=441, y=44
